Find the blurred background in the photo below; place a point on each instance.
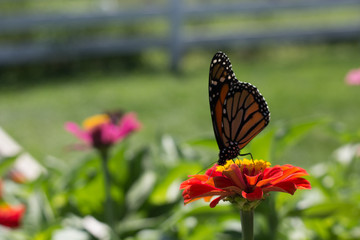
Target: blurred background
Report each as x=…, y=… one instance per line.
x=67, y=60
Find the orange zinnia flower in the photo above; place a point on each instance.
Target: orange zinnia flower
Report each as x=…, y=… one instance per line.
x=243, y=181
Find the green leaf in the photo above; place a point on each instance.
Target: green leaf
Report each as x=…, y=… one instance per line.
x=204, y=142
x=46, y=233
x=204, y=231
x=138, y=224
x=38, y=212
x=261, y=146
x=140, y=190
x=163, y=191
x=89, y=196
x=79, y=170
x=324, y=210
x=291, y=135
x=203, y=212
x=118, y=167
x=135, y=168
x=70, y=233
x=6, y=163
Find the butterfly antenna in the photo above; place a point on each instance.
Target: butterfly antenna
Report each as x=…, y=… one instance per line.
x=206, y=167
x=211, y=174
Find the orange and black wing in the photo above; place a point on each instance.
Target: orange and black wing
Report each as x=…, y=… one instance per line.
x=238, y=111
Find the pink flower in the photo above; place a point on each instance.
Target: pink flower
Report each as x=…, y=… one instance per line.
x=353, y=77
x=11, y=216
x=104, y=130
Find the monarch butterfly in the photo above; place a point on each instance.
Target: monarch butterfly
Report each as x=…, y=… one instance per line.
x=238, y=111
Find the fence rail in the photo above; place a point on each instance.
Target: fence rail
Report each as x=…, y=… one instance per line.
x=176, y=12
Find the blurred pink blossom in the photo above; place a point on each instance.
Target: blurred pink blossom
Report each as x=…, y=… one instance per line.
x=104, y=130
x=353, y=77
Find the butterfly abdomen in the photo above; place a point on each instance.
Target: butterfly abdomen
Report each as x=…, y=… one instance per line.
x=230, y=152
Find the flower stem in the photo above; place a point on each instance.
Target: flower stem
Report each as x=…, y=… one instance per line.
x=247, y=224
x=108, y=201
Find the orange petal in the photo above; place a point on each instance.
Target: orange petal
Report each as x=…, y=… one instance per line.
x=252, y=180
x=236, y=176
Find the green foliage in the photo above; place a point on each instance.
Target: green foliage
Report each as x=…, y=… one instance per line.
x=6, y=163
x=148, y=204
x=145, y=180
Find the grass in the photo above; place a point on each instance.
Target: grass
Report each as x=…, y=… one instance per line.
x=300, y=83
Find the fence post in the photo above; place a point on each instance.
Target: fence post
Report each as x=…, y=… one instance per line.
x=176, y=15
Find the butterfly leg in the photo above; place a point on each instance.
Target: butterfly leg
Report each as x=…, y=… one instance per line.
x=245, y=154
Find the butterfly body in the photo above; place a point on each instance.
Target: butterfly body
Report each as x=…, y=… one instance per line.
x=238, y=111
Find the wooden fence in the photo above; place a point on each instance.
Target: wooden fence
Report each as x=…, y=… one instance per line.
x=176, y=12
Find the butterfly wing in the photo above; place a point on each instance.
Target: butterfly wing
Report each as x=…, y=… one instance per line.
x=238, y=111
x=220, y=76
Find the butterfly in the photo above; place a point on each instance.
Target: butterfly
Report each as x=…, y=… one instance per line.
x=238, y=111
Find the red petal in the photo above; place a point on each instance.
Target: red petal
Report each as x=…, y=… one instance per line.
x=287, y=182
x=257, y=194
x=189, y=182
x=215, y=202
x=233, y=189
x=290, y=172
x=273, y=172
x=11, y=216
x=200, y=190
x=287, y=187
x=222, y=182
x=279, y=174
x=301, y=183
x=270, y=174
x=197, y=179
x=211, y=172
x=197, y=190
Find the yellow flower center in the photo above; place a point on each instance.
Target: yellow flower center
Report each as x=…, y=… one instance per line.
x=95, y=121
x=251, y=165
